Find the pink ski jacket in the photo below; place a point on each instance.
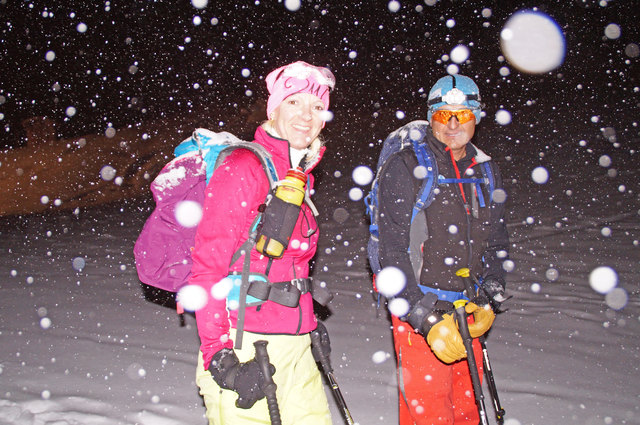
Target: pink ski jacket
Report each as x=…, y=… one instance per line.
x=235, y=191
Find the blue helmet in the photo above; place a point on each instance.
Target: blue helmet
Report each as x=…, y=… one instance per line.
x=454, y=90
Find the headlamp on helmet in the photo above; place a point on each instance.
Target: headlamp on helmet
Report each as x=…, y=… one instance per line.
x=454, y=90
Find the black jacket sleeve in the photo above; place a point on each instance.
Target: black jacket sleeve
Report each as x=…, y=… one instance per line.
x=397, y=194
x=497, y=247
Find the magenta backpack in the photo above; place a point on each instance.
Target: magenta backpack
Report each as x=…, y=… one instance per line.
x=163, y=248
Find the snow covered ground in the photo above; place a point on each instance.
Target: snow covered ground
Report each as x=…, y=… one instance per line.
x=80, y=343
x=83, y=343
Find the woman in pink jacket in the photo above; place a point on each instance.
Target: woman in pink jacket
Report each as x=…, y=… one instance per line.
x=229, y=378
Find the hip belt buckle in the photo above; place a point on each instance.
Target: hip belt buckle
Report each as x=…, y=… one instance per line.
x=301, y=284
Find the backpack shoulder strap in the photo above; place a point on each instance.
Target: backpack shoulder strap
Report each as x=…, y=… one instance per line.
x=261, y=153
x=216, y=147
x=427, y=160
x=490, y=178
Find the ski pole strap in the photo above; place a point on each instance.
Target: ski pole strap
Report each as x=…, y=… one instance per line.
x=242, y=306
x=244, y=250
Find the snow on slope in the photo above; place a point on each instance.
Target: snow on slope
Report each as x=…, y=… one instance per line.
x=84, y=345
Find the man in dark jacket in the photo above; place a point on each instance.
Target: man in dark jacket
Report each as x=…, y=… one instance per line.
x=458, y=229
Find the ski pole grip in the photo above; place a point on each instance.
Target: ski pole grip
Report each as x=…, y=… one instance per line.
x=262, y=357
x=269, y=387
x=465, y=275
x=328, y=371
x=317, y=345
x=461, y=316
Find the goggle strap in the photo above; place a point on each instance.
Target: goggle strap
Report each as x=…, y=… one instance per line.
x=439, y=99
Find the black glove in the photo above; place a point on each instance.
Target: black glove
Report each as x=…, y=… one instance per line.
x=320, y=344
x=427, y=312
x=244, y=378
x=491, y=292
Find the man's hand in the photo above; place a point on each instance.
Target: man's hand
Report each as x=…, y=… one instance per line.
x=491, y=292
x=445, y=340
x=421, y=317
x=483, y=317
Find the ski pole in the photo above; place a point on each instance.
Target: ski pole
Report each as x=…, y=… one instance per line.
x=328, y=371
x=463, y=326
x=269, y=387
x=465, y=274
x=491, y=383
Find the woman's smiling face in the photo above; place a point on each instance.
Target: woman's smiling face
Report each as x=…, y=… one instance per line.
x=298, y=119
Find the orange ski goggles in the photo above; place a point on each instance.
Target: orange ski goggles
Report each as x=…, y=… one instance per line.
x=462, y=115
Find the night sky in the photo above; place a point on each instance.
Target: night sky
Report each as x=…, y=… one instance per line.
x=141, y=60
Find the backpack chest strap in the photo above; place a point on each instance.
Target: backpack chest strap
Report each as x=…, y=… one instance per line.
x=475, y=181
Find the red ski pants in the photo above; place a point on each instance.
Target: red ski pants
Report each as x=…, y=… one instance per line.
x=432, y=392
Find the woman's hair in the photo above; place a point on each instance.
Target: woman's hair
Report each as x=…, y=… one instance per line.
x=314, y=147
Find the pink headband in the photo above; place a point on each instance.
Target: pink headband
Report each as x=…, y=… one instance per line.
x=298, y=77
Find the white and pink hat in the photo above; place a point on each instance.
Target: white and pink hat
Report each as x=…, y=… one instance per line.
x=298, y=77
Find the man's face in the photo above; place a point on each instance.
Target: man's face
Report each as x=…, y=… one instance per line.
x=454, y=134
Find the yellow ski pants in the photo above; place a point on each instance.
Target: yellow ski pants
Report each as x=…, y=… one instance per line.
x=300, y=391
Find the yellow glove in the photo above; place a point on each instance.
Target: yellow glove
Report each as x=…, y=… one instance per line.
x=445, y=340
x=483, y=318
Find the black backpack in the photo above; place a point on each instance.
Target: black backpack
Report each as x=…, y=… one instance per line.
x=412, y=136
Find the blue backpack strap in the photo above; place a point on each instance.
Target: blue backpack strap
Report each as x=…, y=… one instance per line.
x=260, y=152
x=189, y=145
x=489, y=175
x=477, y=182
x=487, y=179
x=409, y=135
x=215, y=147
x=369, y=202
x=426, y=192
